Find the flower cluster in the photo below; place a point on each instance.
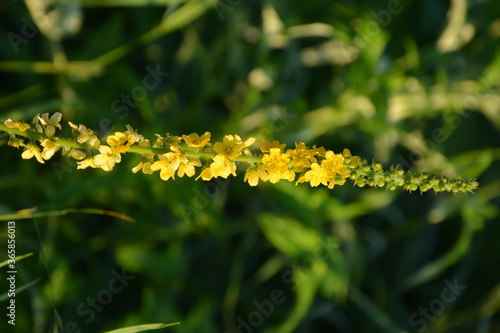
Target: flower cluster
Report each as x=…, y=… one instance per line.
x=181, y=156
x=41, y=125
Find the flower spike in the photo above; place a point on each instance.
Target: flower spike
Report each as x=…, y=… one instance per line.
x=183, y=156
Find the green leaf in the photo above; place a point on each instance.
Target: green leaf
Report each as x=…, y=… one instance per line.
x=33, y=213
x=305, y=293
x=472, y=221
x=18, y=258
x=473, y=163
x=141, y=328
x=372, y=311
x=289, y=236
x=5, y=296
x=129, y=3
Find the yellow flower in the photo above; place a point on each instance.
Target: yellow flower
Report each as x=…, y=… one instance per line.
x=32, y=150
x=176, y=157
x=165, y=167
x=175, y=161
x=187, y=167
x=353, y=161
x=159, y=141
x=301, y=157
x=120, y=142
x=276, y=164
x=49, y=148
x=266, y=146
x=144, y=166
x=36, y=123
x=106, y=159
x=16, y=142
x=50, y=124
x=317, y=175
x=168, y=140
x=77, y=154
x=206, y=174
x=320, y=151
x=231, y=146
x=252, y=175
x=220, y=167
x=16, y=124
x=331, y=172
x=193, y=140
x=334, y=165
x=136, y=137
x=86, y=135
x=88, y=162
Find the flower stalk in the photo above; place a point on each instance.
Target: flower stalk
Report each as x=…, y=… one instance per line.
x=183, y=156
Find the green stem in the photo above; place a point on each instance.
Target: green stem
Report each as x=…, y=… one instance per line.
x=362, y=174
x=133, y=149
x=181, y=17
x=28, y=214
x=82, y=68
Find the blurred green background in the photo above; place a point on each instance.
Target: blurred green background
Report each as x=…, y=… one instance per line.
x=409, y=83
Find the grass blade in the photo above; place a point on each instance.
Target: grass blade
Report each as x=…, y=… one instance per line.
x=31, y=214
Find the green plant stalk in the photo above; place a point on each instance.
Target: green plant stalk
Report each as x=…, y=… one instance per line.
x=28, y=214
x=181, y=17
x=360, y=173
x=133, y=149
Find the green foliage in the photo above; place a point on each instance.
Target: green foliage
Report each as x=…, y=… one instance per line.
x=417, y=87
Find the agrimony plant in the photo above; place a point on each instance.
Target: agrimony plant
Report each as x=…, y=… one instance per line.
x=187, y=154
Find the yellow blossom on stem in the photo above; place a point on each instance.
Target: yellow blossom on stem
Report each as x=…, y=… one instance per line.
x=120, y=142
x=144, y=166
x=206, y=174
x=36, y=123
x=334, y=163
x=253, y=175
x=22, y=127
x=231, y=146
x=175, y=157
x=15, y=142
x=353, y=161
x=178, y=162
x=49, y=124
x=220, y=167
x=170, y=162
x=301, y=157
x=107, y=159
x=317, y=175
x=276, y=165
x=49, y=148
x=187, y=167
x=136, y=137
x=164, y=164
x=168, y=140
x=335, y=167
x=319, y=151
x=266, y=146
x=88, y=162
x=86, y=135
x=77, y=154
x=193, y=140
x=32, y=151
x=315, y=165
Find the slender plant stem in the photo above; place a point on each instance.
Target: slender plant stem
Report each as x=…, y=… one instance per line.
x=27, y=214
x=133, y=149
